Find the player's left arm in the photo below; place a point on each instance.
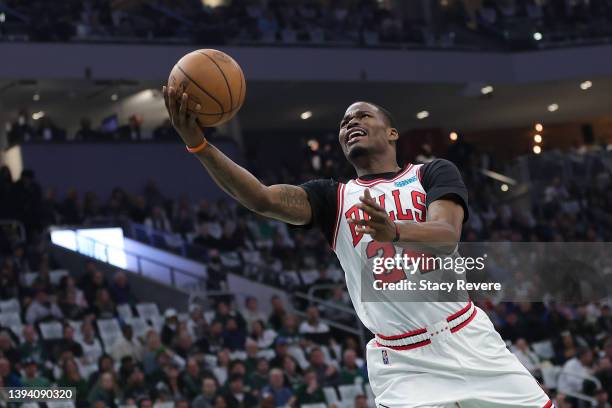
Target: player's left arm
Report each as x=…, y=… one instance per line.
x=442, y=226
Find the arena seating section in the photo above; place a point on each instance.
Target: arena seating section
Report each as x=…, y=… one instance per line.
x=94, y=335
x=449, y=23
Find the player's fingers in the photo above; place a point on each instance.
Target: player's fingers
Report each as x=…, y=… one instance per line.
x=172, y=104
x=183, y=109
x=356, y=221
x=365, y=230
x=193, y=116
x=370, y=201
x=373, y=212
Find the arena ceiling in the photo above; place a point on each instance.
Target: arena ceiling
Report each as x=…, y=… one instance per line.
x=274, y=105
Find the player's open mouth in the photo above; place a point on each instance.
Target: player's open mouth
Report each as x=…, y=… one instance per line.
x=354, y=135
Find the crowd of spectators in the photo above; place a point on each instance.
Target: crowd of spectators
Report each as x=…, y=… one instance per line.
x=349, y=23
x=235, y=355
x=45, y=129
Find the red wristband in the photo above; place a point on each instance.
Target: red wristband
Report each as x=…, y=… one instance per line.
x=197, y=148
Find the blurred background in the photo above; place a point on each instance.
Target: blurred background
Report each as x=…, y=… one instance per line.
x=126, y=273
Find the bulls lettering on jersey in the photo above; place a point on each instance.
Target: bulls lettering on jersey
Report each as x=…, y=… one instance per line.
x=405, y=195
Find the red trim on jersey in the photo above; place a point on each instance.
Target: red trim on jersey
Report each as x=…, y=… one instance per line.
x=419, y=172
x=340, y=205
x=408, y=347
x=459, y=313
x=548, y=404
x=462, y=325
x=369, y=183
x=403, y=335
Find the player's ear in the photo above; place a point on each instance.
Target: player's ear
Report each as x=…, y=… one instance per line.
x=392, y=134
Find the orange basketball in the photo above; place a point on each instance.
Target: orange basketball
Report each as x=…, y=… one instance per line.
x=212, y=79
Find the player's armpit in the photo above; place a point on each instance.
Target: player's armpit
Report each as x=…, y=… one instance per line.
x=288, y=203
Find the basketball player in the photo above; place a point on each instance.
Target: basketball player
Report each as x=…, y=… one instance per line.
x=433, y=354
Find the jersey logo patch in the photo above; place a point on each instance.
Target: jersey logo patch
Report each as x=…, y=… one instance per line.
x=405, y=182
x=385, y=357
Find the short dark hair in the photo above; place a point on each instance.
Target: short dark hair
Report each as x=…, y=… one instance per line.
x=386, y=114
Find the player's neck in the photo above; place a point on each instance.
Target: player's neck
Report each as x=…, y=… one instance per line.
x=376, y=165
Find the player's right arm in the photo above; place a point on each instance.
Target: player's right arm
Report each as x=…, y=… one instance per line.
x=283, y=202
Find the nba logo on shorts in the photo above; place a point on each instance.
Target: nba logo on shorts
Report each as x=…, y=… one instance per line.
x=385, y=357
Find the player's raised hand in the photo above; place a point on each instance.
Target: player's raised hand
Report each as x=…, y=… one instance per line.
x=379, y=225
x=184, y=122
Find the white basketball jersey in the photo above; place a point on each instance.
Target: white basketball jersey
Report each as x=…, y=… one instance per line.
x=404, y=198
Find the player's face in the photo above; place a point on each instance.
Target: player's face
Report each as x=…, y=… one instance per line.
x=363, y=130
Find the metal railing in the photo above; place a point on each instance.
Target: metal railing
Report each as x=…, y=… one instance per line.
x=142, y=265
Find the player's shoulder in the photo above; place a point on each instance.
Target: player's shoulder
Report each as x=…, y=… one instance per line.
x=439, y=164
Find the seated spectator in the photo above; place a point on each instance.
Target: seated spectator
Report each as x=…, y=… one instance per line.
x=8, y=377
x=169, y=383
x=206, y=399
x=8, y=349
x=158, y=220
x=281, y=350
x=283, y=395
x=92, y=348
x=251, y=312
x=170, y=327
x=310, y=392
x=32, y=347
x=135, y=386
x=233, y=336
x=236, y=396
x=191, y=379
x=42, y=308
x=259, y=378
x=68, y=285
x=105, y=390
x=313, y=328
x=221, y=370
x=215, y=337
x=292, y=372
x=183, y=346
x=326, y=373
x=575, y=371
x=323, y=280
x=263, y=337
x=350, y=371
x=71, y=301
x=527, y=357
x=223, y=313
x=42, y=280
x=290, y=329
x=105, y=365
x=152, y=348
x=9, y=284
x=68, y=343
x=32, y=377
x=103, y=307
x=126, y=345
x=120, y=290
x=92, y=281
x=204, y=238
x=71, y=378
